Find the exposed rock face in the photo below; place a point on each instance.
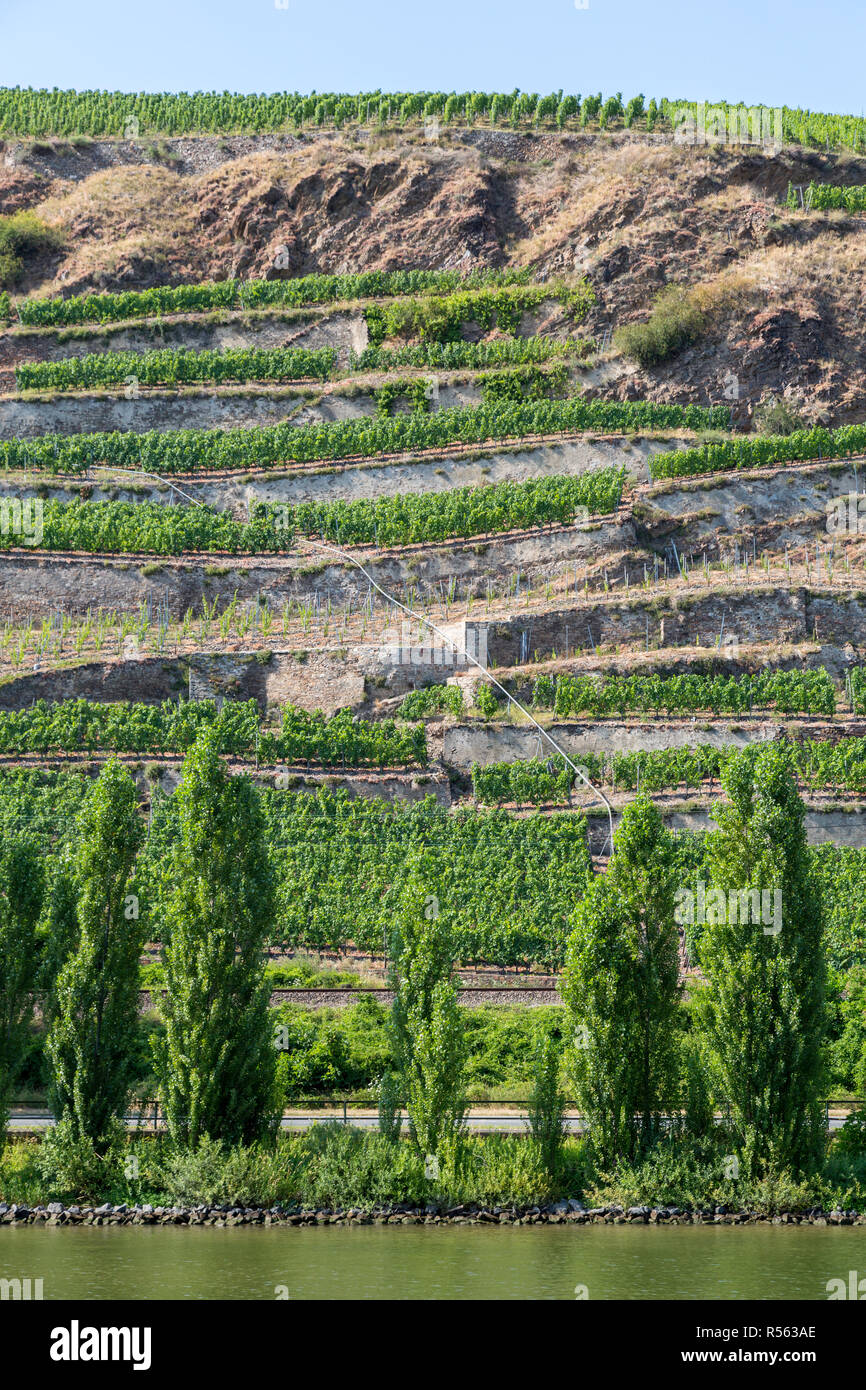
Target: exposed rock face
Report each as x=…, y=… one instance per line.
x=780, y=340
x=780, y=288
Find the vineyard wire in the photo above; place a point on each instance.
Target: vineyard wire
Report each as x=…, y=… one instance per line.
x=463, y=652
x=485, y=672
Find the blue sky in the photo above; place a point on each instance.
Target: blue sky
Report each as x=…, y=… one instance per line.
x=797, y=52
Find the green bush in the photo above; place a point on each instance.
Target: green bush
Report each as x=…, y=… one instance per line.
x=348, y=1167
x=339, y=1050
x=217, y=1176
x=22, y=236
x=433, y=699
x=69, y=1163
x=674, y=321
x=485, y=700
x=337, y=1166
x=776, y=416
x=850, y=1140
x=522, y=383
x=846, y=1009
x=331, y=1050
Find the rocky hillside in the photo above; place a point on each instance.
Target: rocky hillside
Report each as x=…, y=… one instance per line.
x=777, y=289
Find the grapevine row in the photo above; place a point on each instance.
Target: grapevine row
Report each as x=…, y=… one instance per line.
x=460, y=512
x=153, y=528
x=825, y=195
x=89, y=726
x=759, y=451
x=450, y=356
x=29, y=111
x=184, y=451
x=513, y=881
x=173, y=367
x=509, y=885
x=439, y=318
x=252, y=294
x=789, y=692
x=169, y=367
x=150, y=528
x=837, y=766
x=432, y=699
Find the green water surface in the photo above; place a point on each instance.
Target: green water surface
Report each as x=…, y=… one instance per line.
x=374, y=1262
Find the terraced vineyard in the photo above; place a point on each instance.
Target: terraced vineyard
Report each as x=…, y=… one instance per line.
x=418, y=542
x=433, y=669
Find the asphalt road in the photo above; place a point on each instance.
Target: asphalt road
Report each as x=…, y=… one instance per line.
x=478, y=1121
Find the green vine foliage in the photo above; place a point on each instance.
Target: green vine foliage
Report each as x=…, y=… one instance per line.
x=250, y=294
x=152, y=528
x=757, y=451
x=27, y=111
x=170, y=367
x=91, y=726
x=819, y=765
x=186, y=451
x=790, y=692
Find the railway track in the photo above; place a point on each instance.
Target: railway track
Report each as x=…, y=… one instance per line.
x=470, y=997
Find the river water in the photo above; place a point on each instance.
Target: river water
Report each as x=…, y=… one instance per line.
x=375, y=1262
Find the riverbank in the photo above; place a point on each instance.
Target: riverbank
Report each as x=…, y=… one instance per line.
x=339, y=1174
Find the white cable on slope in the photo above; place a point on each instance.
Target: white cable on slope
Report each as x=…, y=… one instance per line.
x=143, y=473
x=344, y=554
x=322, y=545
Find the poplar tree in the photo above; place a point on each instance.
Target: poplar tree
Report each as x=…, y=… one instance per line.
x=20, y=901
x=58, y=927
x=546, y=1110
x=91, y=1042
x=621, y=988
x=426, y=1028
x=216, y=1061
x=763, y=1008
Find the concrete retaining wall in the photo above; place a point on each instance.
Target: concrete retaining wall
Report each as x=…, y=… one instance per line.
x=465, y=744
